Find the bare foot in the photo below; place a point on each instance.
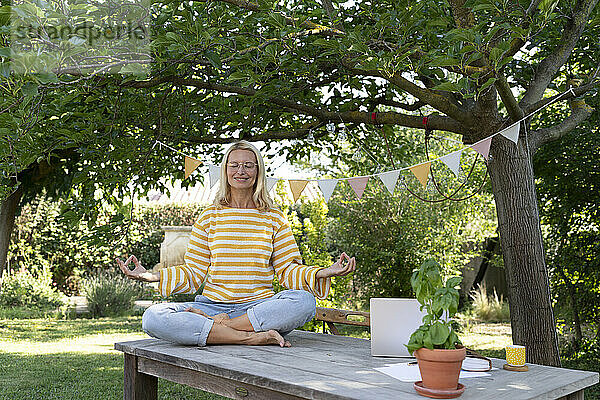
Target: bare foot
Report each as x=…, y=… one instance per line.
x=269, y=337
x=220, y=318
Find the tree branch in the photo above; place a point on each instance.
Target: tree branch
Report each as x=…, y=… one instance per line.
x=579, y=91
x=392, y=103
x=465, y=70
x=330, y=10
x=580, y=112
x=264, y=136
x=508, y=99
x=358, y=117
x=430, y=97
x=463, y=17
x=548, y=67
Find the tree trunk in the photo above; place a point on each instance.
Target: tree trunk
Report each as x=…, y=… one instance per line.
x=7, y=222
x=531, y=314
x=490, y=246
x=574, y=305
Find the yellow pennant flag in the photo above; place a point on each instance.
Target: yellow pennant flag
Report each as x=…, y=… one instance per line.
x=297, y=187
x=190, y=165
x=421, y=171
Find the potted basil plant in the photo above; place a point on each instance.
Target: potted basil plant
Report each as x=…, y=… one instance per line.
x=435, y=344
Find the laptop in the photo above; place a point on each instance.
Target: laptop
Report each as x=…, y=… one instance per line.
x=392, y=322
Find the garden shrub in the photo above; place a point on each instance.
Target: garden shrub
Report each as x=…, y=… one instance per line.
x=488, y=307
x=109, y=294
x=30, y=289
x=390, y=236
x=41, y=233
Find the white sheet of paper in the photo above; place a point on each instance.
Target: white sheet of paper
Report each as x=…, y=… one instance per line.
x=410, y=372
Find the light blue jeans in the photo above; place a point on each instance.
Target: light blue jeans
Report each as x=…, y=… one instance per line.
x=284, y=312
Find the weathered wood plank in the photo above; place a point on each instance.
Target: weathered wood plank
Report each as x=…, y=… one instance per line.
x=210, y=383
x=291, y=379
x=318, y=366
x=137, y=385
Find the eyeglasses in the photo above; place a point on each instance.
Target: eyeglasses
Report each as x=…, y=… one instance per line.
x=249, y=165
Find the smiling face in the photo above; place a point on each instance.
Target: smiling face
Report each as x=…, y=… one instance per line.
x=241, y=178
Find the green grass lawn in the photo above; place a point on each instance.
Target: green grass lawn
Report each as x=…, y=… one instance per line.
x=46, y=358
x=71, y=359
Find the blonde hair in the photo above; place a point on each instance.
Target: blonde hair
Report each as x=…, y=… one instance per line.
x=261, y=197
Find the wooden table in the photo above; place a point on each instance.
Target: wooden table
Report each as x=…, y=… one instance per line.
x=318, y=366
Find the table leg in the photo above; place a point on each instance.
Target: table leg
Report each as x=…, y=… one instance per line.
x=578, y=395
x=138, y=386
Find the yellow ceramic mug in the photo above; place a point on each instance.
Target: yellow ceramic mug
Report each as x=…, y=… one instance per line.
x=515, y=355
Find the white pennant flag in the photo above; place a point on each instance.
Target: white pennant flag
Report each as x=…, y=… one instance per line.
x=214, y=174
x=327, y=186
x=389, y=179
x=270, y=183
x=512, y=132
x=452, y=160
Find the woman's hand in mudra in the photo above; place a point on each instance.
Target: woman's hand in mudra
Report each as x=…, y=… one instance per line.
x=139, y=273
x=343, y=266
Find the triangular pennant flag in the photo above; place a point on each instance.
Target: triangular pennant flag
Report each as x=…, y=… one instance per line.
x=389, y=179
x=358, y=184
x=214, y=174
x=512, y=132
x=297, y=186
x=452, y=160
x=483, y=147
x=190, y=165
x=270, y=183
x=327, y=186
x=421, y=171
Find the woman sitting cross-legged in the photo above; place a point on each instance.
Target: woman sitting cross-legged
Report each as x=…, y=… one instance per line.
x=238, y=245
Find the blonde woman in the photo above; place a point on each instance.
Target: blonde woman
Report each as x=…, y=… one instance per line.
x=238, y=245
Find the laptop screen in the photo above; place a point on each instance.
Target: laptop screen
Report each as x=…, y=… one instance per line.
x=393, y=320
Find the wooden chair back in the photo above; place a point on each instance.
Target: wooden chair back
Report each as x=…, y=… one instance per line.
x=331, y=316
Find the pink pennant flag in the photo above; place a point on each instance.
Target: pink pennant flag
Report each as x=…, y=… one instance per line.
x=358, y=184
x=483, y=147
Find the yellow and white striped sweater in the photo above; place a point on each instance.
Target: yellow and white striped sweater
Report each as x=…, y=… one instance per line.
x=238, y=251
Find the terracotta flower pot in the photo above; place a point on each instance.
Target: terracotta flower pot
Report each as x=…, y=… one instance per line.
x=440, y=368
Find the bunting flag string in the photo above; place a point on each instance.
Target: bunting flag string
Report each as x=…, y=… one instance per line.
x=190, y=165
x=214, y=174
x=297, y=186
x=483, y=147
x=452, y=161
x=388, y=178
x=512, y=132
x=421, y=172
x=327, y=186
x=358, y=184
x=270, y=183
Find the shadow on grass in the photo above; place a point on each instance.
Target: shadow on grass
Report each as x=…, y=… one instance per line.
x=76, y=376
